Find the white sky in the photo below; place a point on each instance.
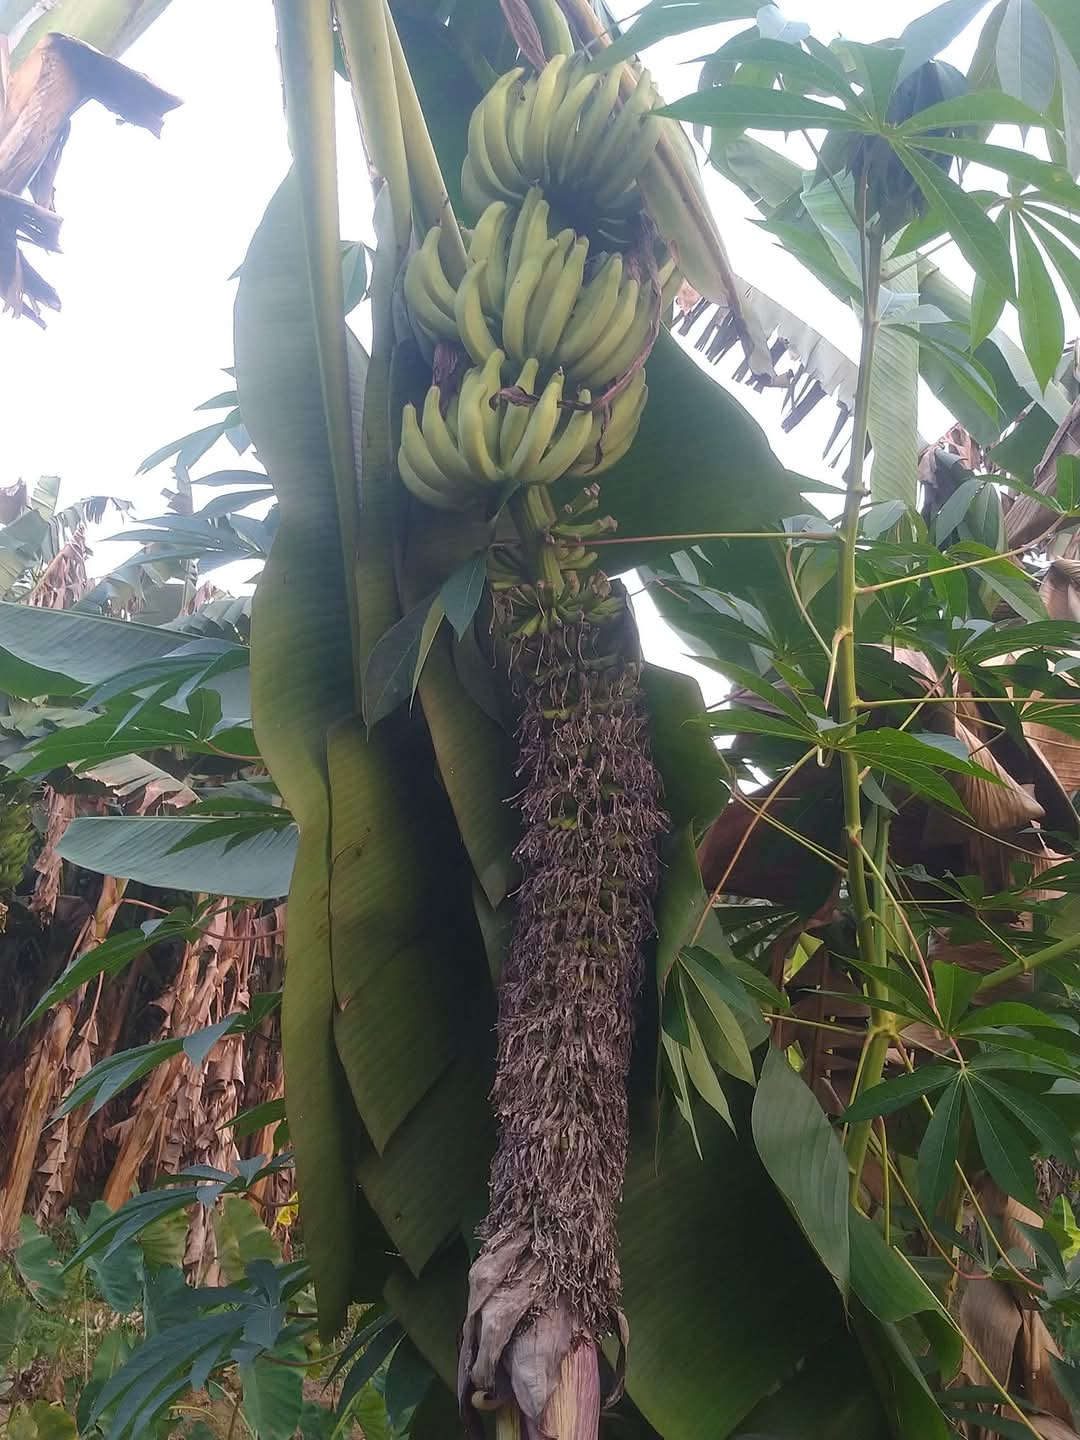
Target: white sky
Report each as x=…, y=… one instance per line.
x=153, y=228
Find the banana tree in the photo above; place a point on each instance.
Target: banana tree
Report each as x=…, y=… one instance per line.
x=509, y=339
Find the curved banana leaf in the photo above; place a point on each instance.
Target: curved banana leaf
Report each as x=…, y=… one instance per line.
x=59, y=652
x=144, y=848
x=301, y=674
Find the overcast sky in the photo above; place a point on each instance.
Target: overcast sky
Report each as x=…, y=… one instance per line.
x=153, y=228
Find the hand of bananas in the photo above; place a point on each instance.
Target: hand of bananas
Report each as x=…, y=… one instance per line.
x=563, y=129
x=556, y=334
x=489, y=438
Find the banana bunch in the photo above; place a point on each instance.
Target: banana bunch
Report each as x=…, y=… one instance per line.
x=525, y=292
x=16, y=838
x=564, y=129
x=486, y=440
x=613, y=433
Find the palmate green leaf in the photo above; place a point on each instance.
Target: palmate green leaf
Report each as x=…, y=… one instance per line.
x=1036, y=1117
x=1064, y=259
x=893, y=1095
x=1004, y=1151
x=984, y=107
x=804, y=1158
x=661, y=19
x=893, y=417
x=1042, y=325
x=753, y=107
x=1025, y=54
x=953, y=988
x=928, y=34
x=715, y=1022
x=301, y=684
x=938, y=1150
x=977, y=237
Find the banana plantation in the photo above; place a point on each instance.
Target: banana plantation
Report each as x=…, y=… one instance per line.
x=422, y=1014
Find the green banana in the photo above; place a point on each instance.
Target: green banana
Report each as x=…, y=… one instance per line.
x=565, y=449
x=472, y=440
x=529, y=233
x=593, y=121
x=441, y=441
x=489, y=241
x=517, y=301
x=495, y=124
x=516, y=417
x=539, y=430
x=592, y=366
x=561, y=302
x=550, y=90
x=594, y=309
x=472, y=323
x=428, y=293
x=541, y=297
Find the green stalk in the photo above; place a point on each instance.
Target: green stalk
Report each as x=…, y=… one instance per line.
x=370, y=64
x=846, y=683
x=1029, y=962
x=430, y=198
x=872, y=1061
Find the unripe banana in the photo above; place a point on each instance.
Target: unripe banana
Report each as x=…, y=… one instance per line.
x=613, y=435
x=491, y=382
x=442, y=441
x=517, y=300
x=564, y=123
x=472, y=324
x=490, y=241
x=626, y=168
x=495, y=123
x=491, y=187
x=594, y=119
x=429, y=295
x=592, y=367
x=420, y=472
x=424, y=493
x=621, y=134
x=545, y=289
x=594, y=309
x=473, y=397
x=516, y=417
x=530, y=232
x=560, y=304
x=539, y=430
x=520, y=106
x=618, y=360
x=550, y=90
x=476, y=199
x=566, y=448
